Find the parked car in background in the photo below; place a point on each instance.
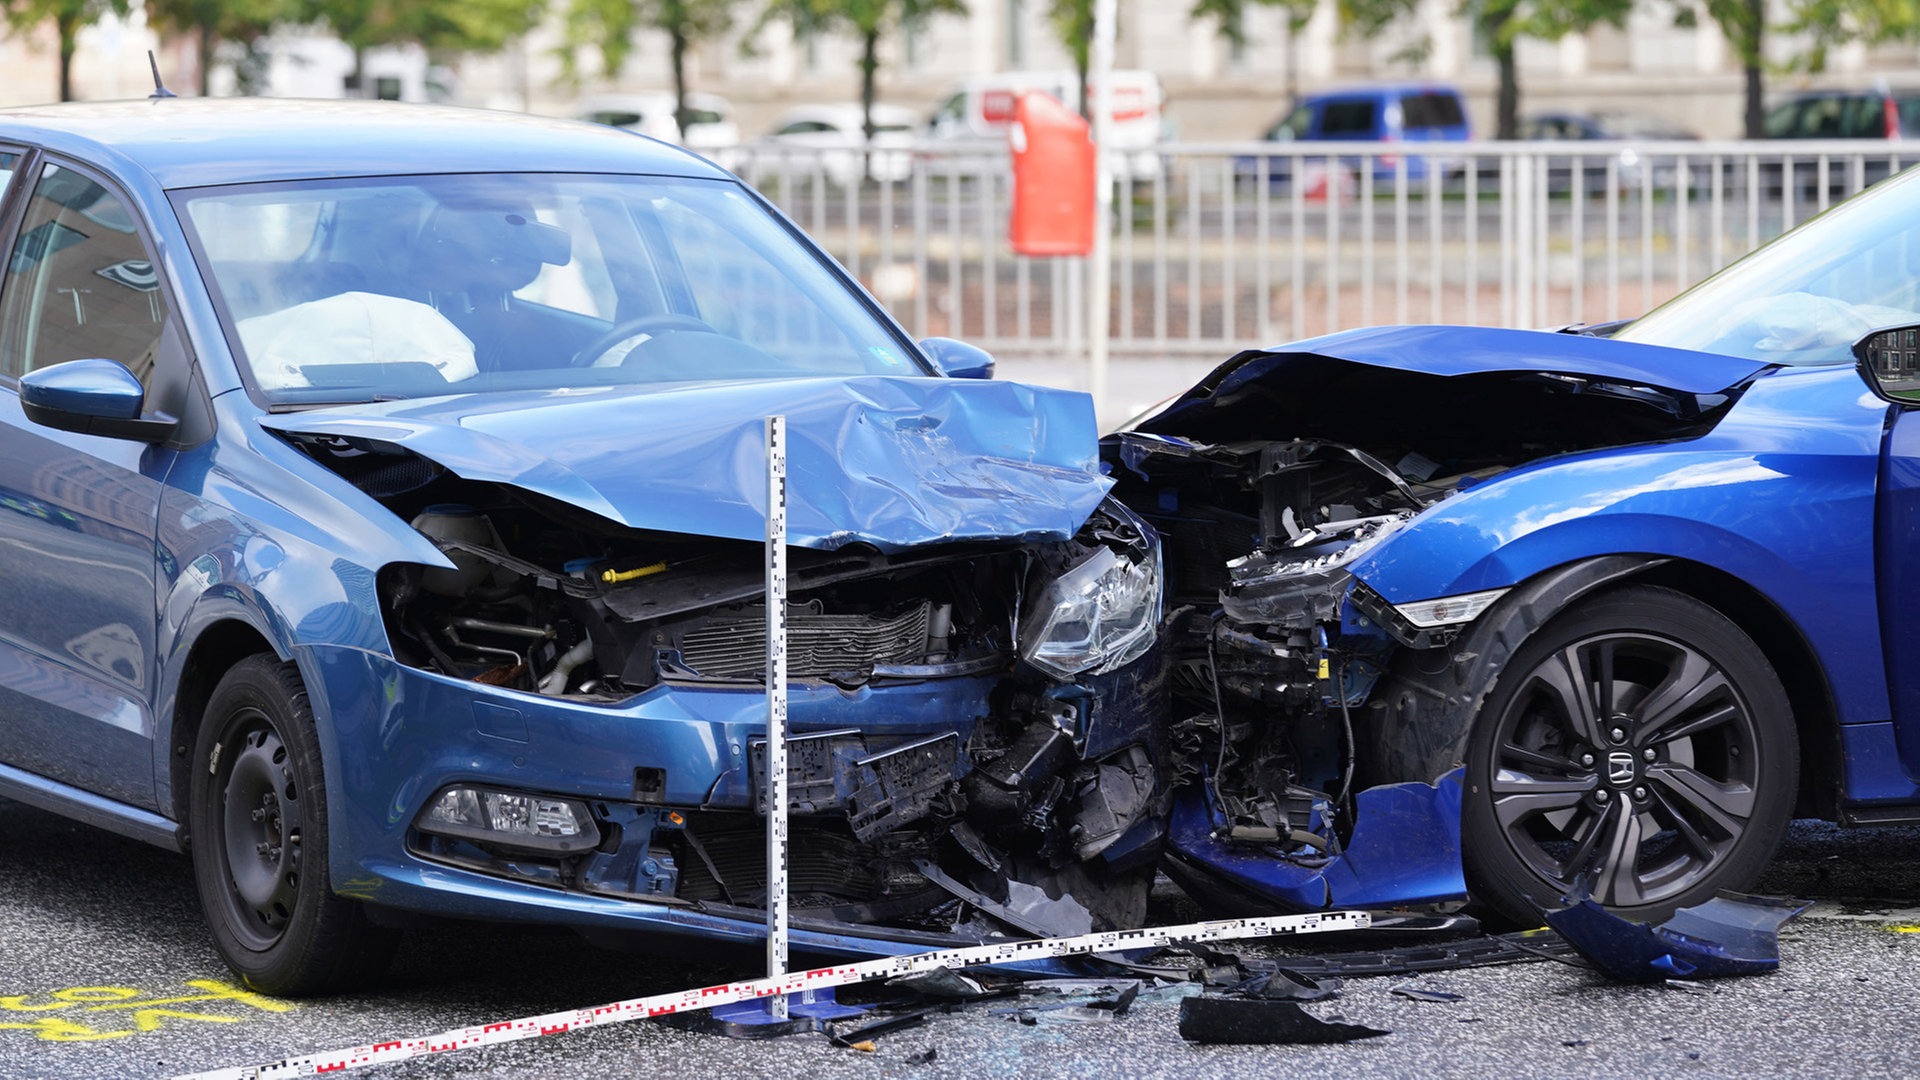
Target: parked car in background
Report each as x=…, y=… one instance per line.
x=980, y=110
x=1571, y=612
x=1886, y=114
x=385, y=527
x=710, y=130
x=831, y=141
x=1397, y=115
x=1883, y=119
x=1629, y=166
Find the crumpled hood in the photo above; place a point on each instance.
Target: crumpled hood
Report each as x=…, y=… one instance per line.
x=891, y=461
x=1446, y=351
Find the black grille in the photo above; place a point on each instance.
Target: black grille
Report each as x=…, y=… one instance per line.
x=817, y=644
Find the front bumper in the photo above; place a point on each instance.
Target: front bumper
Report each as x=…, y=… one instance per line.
x=393, y=736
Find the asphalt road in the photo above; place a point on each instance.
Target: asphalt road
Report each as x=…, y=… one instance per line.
x=105, y=971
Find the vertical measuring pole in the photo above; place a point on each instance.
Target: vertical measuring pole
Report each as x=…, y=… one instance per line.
x=1100, y=76
x=776, y=707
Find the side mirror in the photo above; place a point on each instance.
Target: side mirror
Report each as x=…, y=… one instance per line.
x=957, y=359
x=92, y=397
x=1889, y=360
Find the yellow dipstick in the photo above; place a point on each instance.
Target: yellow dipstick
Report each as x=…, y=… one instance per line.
x=615, y=577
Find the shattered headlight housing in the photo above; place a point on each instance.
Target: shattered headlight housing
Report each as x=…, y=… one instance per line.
x=1100, y=614
x=1318, y=551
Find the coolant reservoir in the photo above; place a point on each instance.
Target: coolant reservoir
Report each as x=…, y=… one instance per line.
x=456, y=521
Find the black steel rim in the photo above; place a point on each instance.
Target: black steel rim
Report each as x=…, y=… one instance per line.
x=261, y=830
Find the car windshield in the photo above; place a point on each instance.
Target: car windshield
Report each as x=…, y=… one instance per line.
x=401, y=287
x=1808, y=296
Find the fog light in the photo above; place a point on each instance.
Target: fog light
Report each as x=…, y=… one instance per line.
x=511, y=818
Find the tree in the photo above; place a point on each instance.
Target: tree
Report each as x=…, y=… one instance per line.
x=1743, y=23
x=608, y=25
x=1501, y=24
x=1229, y=17
x=438, y=25
x=868, y=20
x=69, y=17
x=214, y=21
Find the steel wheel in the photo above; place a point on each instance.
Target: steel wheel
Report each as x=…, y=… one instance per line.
x=262, y=832
x=1639, y=745
x=257, y=824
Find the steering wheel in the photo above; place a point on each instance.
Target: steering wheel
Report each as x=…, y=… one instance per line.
x=594, y=351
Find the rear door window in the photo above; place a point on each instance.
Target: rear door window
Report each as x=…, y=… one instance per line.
x=1432, y=110
x=1348, y=118
x=1864, y=118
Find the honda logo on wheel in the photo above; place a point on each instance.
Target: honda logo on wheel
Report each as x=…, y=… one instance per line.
x=1620, y=767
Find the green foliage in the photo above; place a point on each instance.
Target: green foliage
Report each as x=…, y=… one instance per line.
x=211, y=22
x=1229, y=16
x=607, y=27
x=1072, y=22
x=439, y=25
x=868, y=20
x=1835, y=22
x=69, y=17
x=226, y=20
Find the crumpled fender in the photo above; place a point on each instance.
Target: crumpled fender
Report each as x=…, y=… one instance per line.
x=1427, y=708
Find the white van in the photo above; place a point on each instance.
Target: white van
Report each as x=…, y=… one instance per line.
x=981, y=108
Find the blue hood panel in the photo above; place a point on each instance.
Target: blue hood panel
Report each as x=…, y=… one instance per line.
x=890, y=461
x=1469, y=350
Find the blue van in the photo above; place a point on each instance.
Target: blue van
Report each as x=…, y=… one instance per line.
x=1385, y=113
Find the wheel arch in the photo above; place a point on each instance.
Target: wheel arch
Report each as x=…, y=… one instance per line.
x=214, y=652
x=1422, y=715
x=1809, y=694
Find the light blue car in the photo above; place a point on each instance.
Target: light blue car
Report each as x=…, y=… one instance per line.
x=384, y=524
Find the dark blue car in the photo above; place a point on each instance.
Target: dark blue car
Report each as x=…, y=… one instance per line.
x=1529, y=615
x=386, y=525
x=1395, y=120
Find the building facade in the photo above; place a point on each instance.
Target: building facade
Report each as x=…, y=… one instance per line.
x=1216, y=91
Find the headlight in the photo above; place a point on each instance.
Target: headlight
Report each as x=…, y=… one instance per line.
x=1100, y=614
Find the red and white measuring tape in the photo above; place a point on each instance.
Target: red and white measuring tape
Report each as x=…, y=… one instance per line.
x=708, y=997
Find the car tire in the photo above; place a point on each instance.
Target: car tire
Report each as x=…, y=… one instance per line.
x=1638, y=749
x=258, y=825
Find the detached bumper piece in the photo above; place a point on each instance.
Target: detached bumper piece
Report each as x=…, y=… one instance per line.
x=1731, y=934
x=1261, y=1021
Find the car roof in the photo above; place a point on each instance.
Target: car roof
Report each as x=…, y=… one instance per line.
x=1898, y=93
x=192, y=142
x=1381, y=90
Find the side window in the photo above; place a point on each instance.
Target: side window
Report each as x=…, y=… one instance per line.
x=7, y=160
x=79, y=282
x=1348, y=118
x=1295, y=125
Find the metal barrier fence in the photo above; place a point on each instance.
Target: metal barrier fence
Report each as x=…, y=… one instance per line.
x=1220, y=247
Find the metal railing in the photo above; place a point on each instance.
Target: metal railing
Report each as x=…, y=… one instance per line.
x=1220, y=247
